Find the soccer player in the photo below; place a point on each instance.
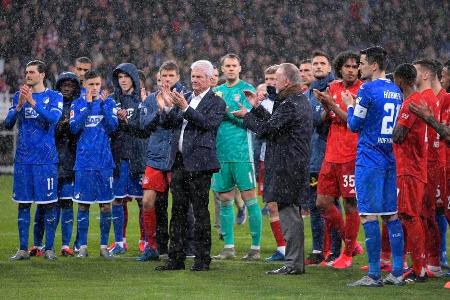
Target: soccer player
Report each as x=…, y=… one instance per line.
x=426, y=74
x=82, y=65
x=235, y=153
x=36, y=110
x=306, y=74
x=157, y=177
x=128, y=146
x=411, y=153
x=445, y=78
x=374, y=116
x=337, y=174
x=321, y=69
x=94, y=119
x=69, y=86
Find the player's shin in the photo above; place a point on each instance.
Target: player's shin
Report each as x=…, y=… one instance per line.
x=50, y=225
x=396, y=240
x=254, y=222
x=373, y=246
x=23, y=223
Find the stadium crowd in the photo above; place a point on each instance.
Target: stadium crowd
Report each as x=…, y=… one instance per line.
x=148, y=33
x=92, y=131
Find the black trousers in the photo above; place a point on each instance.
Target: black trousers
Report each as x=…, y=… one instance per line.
x=190, y=187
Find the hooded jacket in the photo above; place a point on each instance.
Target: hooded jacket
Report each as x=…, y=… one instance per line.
x=66, y=142
x=129, y=141
x=320, y=129
x=159, y=142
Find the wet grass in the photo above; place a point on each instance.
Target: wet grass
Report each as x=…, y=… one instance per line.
x=96, y=278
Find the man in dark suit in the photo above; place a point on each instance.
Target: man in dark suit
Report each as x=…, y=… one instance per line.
x=288, y=134
x=193, y=160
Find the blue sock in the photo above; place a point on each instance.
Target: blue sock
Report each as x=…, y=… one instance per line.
x=105, y=227
x=397, y=241
x=83, y=226
x=23, y=223
x=58, y=216
x=39, y=225
x=373, y=246
x=66, y=225
x=117, y=216
x=50, y=225
x=442, y=225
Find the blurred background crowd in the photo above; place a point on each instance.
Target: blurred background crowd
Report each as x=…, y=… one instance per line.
x=147, y=33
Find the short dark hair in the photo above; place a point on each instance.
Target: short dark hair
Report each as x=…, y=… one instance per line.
x=377, y=55
x=41, y=66
x=340, y=60
x=142, y=75
x=438, y=68
x=229, y=55
x=447, y=64
x=316, y=53
x=305, y=61
x=428, y=64
x=170, y=65
x=83, y=60
x=272, y=69
x=406, y=72
x=92, y=74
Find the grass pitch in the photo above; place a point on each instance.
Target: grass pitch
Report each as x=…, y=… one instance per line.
x=96, y=278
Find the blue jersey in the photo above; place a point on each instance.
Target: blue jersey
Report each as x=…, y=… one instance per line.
x=36, y=138
x=94, y=122
x=377, y=106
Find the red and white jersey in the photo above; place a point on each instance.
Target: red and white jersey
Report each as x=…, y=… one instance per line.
x=444, y=101
x=341, y=142
x=411, y=155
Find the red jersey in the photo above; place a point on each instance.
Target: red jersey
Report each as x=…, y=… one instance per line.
x=444, y=103
x=341, y=142
x=433, y=138
x=411, y=155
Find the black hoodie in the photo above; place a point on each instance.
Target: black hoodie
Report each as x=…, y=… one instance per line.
x=66, y=142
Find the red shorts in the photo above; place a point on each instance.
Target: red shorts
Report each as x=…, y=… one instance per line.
x=434, y=192
x=337, y=180
x=155, y=180
x=261, y=172
x=410, y=195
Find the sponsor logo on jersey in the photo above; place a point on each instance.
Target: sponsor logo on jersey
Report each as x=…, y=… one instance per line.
x=60, y=105
x=30, y=113
x=93, y=121
x=114, y=111
x=405, y=116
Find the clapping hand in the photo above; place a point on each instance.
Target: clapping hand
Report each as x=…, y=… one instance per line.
x=25, y=93
x=348, y=98
x=324, y=98
x=421, y=110
x=241, y=112
x=254, y=99
x=178, y=100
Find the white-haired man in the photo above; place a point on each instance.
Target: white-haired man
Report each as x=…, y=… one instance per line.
x=193, y=160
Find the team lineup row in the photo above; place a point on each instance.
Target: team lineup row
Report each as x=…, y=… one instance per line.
x=316, y=138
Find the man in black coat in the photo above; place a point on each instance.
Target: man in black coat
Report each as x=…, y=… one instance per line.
x=193, y=160
x=288, y=134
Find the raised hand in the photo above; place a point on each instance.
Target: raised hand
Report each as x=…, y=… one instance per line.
x=178, y=100
x=254, y=99
x=348, y=98
x=241, y=112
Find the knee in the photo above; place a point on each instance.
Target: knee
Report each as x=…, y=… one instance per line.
x=322, y=203
x=65, y=203
x=350, y=205
x=105, y=208
x=118, y=201
x=83, y=207
x=24, y=205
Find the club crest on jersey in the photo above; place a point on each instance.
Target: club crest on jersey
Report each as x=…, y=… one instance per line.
x=46, y=100
x=236, y=97
x=92, y=121
x=30, y=113
x=130, y=112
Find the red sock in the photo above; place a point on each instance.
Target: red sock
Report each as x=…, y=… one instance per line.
x=415, y=242
x=334, y=218
x=141, y=224
x=278, y=233
x=125, y=218
x=327, y=239
x=351, y=231
x=150, y=226
x=432, y=241
x=385, y=246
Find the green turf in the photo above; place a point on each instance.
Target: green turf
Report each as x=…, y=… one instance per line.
x=123, y=277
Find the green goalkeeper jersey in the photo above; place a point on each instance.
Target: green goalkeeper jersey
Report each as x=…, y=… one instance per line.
x=234, y=142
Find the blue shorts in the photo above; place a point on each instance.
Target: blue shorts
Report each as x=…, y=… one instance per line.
x=35, y=183
x=125, y=185
x=65, y=189
x=93, y=186
x=376, y=191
